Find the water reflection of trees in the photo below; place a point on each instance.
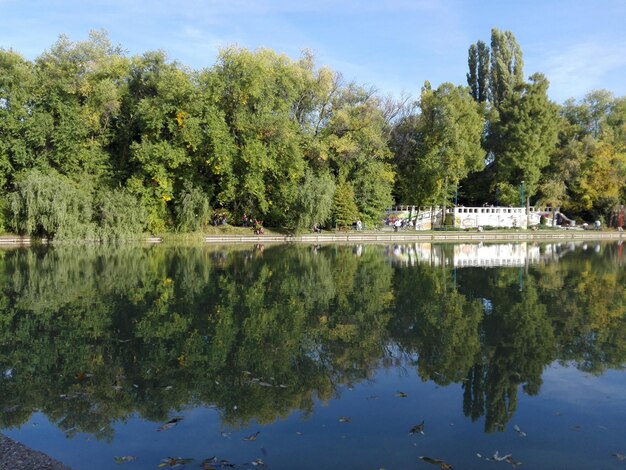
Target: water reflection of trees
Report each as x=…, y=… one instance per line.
x=91, y=335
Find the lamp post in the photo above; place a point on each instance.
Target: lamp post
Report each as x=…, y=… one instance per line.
x=522, y=193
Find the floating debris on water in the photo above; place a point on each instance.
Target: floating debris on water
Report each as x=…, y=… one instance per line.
x=125, y=458
x=252, y=437
x=174, y=462
x=170, y=424
x=442, y=463
x=417, y=429
x=497, y=457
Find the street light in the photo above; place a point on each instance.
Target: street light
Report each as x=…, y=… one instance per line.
x=522, y=193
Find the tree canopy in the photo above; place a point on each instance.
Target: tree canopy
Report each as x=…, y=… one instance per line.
x=143, y=143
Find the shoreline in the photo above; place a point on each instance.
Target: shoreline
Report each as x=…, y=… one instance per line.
x=16, y=456
x=439, y=237
x=372, y=237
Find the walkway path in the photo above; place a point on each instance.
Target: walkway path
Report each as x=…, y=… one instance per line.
x=387, y=237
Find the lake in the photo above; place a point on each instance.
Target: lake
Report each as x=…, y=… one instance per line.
x=316, y=356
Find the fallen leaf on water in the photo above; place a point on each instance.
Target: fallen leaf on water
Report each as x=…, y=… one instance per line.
x=174, y=462
x=514, y=463
x=401, y=395
x=252, y=437
x=442, y=463
x=207, y=464
x=417, y=429
x=125, y=458
x=170, y=424
x=345, y=419
x=519, y=431
x=258, y=462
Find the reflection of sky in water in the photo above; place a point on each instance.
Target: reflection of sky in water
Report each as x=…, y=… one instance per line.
x=577, y=421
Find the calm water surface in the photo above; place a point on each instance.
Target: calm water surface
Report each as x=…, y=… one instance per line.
x=317, y=357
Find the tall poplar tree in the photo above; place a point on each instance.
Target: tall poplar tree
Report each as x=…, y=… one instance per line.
x=507, y=66
x=478, y=76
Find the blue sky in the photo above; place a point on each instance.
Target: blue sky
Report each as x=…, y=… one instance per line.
x=393, y=45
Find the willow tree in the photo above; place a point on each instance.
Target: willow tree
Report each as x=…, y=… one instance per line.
x=50, y=205
x=315, y=200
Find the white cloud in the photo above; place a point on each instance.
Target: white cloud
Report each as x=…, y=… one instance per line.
x=582, y=67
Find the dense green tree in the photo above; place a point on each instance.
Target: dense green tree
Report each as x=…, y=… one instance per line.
x=251, y=131
x=22, y=132
x=345, y=211
x=586, y=173
x=526, y=135
x=358, y=150
x=449, y=146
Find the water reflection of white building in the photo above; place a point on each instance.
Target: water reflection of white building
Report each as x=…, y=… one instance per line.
x=501, y=254
x=478, y=254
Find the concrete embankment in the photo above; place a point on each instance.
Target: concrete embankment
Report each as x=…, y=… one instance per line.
x=387, y=237
x=406, y=236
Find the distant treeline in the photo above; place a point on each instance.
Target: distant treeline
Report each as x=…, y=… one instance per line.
x=97, y=144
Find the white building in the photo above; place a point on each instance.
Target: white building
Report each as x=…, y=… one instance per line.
x=428, y=218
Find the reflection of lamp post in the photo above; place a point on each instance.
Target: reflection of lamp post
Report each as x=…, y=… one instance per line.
x=522, y=193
